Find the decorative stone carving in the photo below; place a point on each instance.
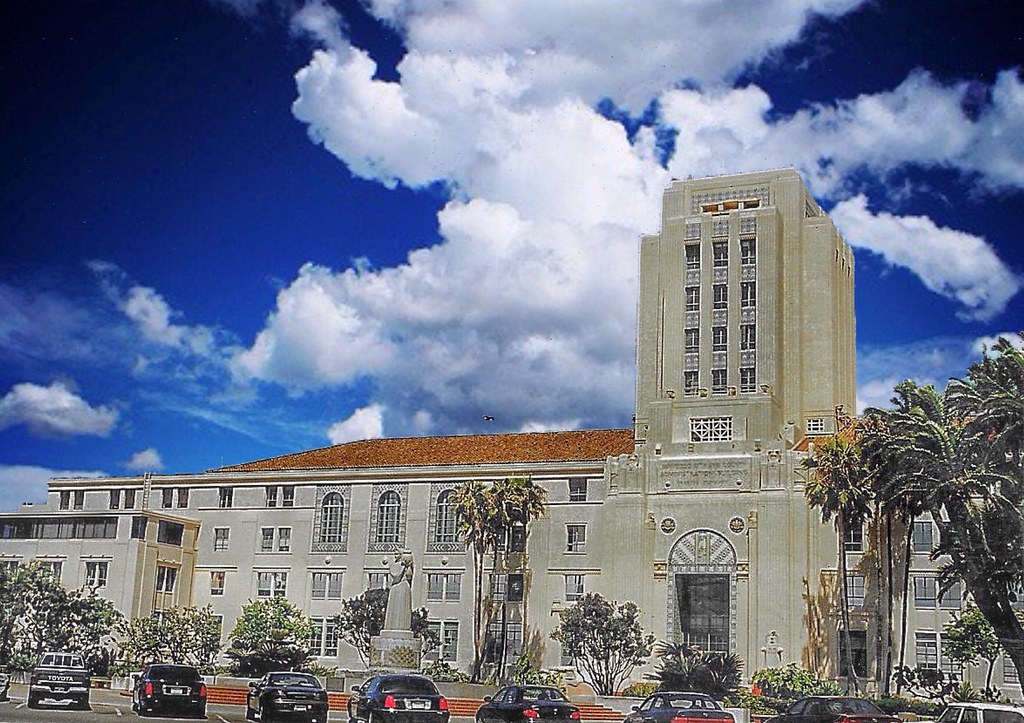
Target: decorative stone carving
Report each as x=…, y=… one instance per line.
x=706, y=474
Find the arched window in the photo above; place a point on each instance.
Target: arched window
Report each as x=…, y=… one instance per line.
x=331, y=513
x=445, y=529
x=389, y=510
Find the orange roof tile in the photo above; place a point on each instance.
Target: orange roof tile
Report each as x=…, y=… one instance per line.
x=574, y=446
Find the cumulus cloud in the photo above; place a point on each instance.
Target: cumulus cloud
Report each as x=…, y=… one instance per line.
x=146, y=460
x=152, y=315
x=951, y=263
x=364, y=423
x=20, y=484
x=987, y=342
x=526, y=309
x=54, y=411
x=922, y=122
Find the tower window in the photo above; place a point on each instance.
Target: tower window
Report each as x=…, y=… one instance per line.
x=719, y=338
x=748, y=294
x=689, y=383
x=693, y=298
x=721, y=296
x=692, y=256
x=692, y=340
x=747, y=384
x=711, y=429
x=748, y=337
x=748, y=252
x=718, y=381
x=720, y=250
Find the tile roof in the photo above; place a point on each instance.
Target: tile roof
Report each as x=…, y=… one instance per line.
x=573, y=446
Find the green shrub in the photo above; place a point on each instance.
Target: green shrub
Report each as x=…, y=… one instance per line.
x=792, y=682
x=897, y=704
x=639, y=690
x=442, y=672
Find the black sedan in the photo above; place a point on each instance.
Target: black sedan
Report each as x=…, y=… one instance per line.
x=286, y=696
x=834, y=709
x=397, y=699
x=518, y=703
x=678, y=707
x=169, y=689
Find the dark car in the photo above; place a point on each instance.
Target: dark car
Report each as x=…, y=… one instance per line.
x=59, y=678
x=678, y=707
x=517, y=703
x=169, y=689
x=397, y=699
x=286, y=696
x=834, y=709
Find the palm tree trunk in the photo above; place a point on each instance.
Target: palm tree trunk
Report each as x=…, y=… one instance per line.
x=907, y=552
x=478, y=600
x=886, y=683
x=880, y=619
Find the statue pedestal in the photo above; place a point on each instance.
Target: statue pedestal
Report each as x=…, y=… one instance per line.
x=395, y=649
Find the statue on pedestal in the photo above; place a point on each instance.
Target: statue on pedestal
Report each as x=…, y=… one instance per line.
x=398, y=613
x=396, y=648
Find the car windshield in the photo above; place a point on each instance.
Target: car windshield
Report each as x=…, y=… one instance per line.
x=543, y=694
x=296, y=679
x=688, y=702
x=408, y=686
x=853, y=705
x=174, y=673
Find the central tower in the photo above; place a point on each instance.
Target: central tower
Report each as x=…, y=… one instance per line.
x=746, y=328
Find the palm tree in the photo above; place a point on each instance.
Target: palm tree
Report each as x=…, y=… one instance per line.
x=839, y=489
x=476, y=514
x=518, y=501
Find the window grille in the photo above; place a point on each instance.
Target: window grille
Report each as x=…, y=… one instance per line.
x=711, y=429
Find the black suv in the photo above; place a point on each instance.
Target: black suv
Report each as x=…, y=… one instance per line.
x=166, y=688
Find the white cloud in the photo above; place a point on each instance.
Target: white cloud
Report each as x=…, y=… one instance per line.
x=364, y=423
x=146, y=460
x=54, y=411
x=987, y=342
x=951, y=263
x=921, y=122
x=21, y=483
x=152, y=316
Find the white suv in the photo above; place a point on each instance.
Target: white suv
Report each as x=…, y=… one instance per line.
x=981, y=713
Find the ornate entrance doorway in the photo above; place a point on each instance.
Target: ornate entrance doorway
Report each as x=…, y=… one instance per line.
x=702, y=591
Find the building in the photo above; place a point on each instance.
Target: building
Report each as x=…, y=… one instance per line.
x=745, y=354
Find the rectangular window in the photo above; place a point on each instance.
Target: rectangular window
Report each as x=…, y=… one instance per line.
x=316, y=637
x=952, y=599
x=816, y=425
x=267, y=539
x=327, y=586
x=577, y=489
x=748, y=337
x=693, y=298
x=747, y=383
x=324, y=638
x=574, y=589
x=167, y=498
x=220, y=538
x=691, y=341
x=719, y=381
x=748, y=252
x=719, y=338
x=79, y=502
x=271, y=584
x=165, y=578
x=575, y=538
x=499, y=586
x=720, y=251
x=1010, y=676
x=925, y=592
x=446, y=632
x=139, y=525
x=115, y=499
x=692, y=257
x=377, y=580
x=271, y=495
x=444, y=587
x=129, y=499
x=711, y=429
x=855, y=591
x=53, y=567
x=922, y=539
x=170, y=533
x=96, y=573
x=288, y=496
x=505, y=634
x=690, y=383
x=65, y=499
x=217, y=578
x=858, y=650
x=950, y=667
x=926, y=650
x=183, y=497
x=748, y=294
x=854, y=538
x=721, y=296
x=284, y=539
x=226, y=498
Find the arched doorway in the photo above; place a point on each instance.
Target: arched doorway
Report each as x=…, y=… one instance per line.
x=702, y=591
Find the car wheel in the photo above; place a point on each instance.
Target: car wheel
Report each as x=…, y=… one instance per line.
x=250, y=714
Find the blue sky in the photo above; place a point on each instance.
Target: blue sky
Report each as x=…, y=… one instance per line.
x=236, y=229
